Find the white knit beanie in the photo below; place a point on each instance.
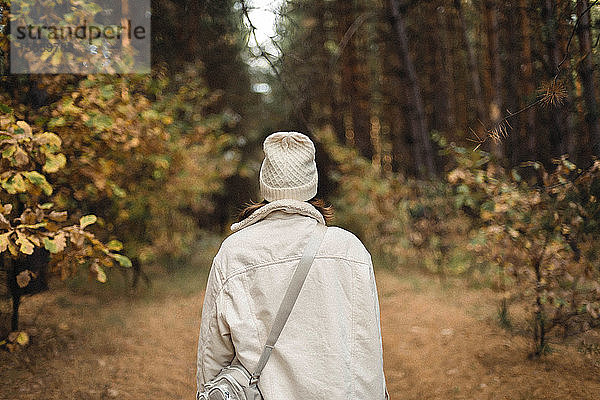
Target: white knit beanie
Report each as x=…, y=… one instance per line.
x=289, y=170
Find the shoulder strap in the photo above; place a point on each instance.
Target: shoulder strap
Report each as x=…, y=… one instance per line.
x=289, y=299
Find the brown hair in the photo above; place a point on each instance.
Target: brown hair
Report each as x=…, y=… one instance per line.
x=325, y=209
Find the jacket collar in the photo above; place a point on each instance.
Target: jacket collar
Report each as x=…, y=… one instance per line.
x=286, y=205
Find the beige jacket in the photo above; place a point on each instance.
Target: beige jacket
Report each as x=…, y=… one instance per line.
x=330, y=347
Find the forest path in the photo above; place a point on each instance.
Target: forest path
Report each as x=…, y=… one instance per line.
x=438, y=344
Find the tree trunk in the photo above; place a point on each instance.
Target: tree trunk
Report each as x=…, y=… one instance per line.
x=333, y=79
x=355, y=130
x=358, y=85
x=514, y=89
x=394, y=93
x=446, y=65
x=493, y=47
x=528, y=131
x=586, y=74
x=558, y=134
x=473, y=64
x=423, y=152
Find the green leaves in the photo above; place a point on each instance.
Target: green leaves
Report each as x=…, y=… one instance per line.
x=122, y=260
x=107, y=91
x=57, y=244
x=54, y=162
x=38, y=180
x=9, y=151
x=99, y=122
x=114, y=245
x=57, y=122
x=14, y=184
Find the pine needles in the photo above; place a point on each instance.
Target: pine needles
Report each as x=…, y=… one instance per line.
x=551, y=94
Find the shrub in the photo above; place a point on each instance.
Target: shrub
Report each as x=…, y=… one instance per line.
x=542, y=233
x=29, y=221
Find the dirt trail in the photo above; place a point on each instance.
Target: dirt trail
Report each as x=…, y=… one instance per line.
x=437, y=345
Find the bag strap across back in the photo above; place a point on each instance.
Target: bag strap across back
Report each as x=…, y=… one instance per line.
x=289, y=299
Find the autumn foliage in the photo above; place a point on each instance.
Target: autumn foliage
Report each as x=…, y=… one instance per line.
x=542, y=234
x=139, y=158
x=29, y=218
x=529, y=233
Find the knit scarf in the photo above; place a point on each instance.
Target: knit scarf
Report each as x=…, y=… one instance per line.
x=286, y=205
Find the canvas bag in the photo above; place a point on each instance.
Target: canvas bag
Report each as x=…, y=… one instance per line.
x=234, y=382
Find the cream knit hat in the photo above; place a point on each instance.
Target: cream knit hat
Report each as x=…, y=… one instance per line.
x=289, y=170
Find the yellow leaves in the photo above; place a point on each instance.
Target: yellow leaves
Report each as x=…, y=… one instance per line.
x=98, y=272
x=87, y=220
x=54, y=162
x=19, y=157
x=48, y=139
x=4, y=241
x=117, y=191
x=15, y=341
x=25, y=127
x=13, y=249
x=56, y=57
x=9, y=151
x=22, y=338
x=162, y=162
x=513, y=233
x=114, y=245
x=114, y=140
x=131, y=144
x=57, y=244
x=487, y=215
x=500, y=207
x=14, y=184
x=57, y=122
x=68, y=107
x=26, y=245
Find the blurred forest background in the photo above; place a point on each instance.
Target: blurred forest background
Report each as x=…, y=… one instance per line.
x=457, y=138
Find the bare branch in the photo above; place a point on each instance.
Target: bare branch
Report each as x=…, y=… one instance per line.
x=348, y=35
